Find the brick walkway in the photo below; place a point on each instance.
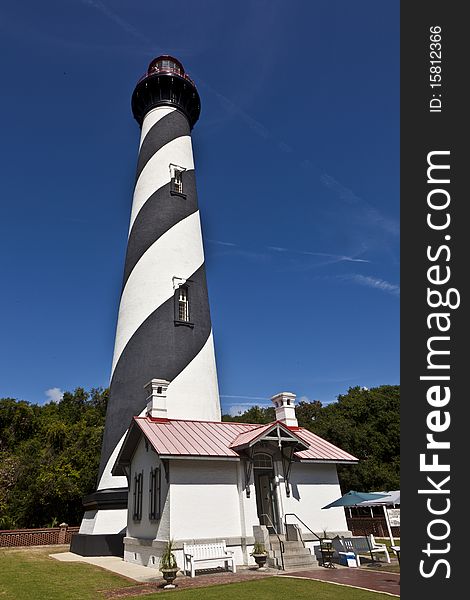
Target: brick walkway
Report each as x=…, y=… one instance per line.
x=377, y=581
x=182, y=582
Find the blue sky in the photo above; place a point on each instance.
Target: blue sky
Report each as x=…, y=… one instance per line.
x=297, y=165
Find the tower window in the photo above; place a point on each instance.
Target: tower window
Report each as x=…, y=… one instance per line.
x=183, y=304
x=182, y=299
x=138, y=488
x=176, y=181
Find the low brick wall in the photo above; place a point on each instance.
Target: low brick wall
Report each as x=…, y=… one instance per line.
x=10, y=538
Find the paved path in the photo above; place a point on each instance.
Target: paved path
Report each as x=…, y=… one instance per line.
x=114, y=564
x=377, y=581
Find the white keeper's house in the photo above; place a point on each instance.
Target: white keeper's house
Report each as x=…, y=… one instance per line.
x=206, y=481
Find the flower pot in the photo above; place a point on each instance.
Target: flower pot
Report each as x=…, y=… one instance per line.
x=169, y=576
x=260, y=560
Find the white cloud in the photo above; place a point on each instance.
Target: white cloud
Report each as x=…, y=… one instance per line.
x=245, y=397
x=334, y=257
x=369, y=213
x=117, y=20
x=54, y=394
x=237, y=409
x=240, y=407
x=378, y=284
x=221, y=243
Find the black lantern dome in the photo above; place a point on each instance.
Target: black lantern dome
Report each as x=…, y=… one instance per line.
x=166, y=84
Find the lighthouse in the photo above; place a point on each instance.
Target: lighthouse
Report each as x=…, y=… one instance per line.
x=164, y=336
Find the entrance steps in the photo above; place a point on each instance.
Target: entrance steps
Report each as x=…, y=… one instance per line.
x=296, y=555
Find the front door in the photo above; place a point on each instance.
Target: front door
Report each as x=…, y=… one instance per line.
x=266, y=499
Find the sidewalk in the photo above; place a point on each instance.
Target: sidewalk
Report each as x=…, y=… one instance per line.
x=114, y=564
x=376, y=581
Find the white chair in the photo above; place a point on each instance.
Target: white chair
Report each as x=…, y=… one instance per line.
x=367, y=546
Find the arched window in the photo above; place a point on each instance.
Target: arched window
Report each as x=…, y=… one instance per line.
x=262, y=460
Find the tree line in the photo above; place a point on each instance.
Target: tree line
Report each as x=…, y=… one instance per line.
x=49, y=454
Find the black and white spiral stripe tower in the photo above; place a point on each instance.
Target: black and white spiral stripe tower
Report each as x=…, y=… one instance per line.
x=164, y=326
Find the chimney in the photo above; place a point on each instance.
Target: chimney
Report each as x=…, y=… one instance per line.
x=285, y=408
x=156, y=398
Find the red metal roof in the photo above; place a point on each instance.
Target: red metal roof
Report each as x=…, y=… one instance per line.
x=175, y=437
x=320, y=449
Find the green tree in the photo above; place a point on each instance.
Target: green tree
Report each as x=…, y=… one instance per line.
x=365, y=423
x=49, y=457
x=255, y=414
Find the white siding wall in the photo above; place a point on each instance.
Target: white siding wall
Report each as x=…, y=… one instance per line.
x=248, y=510
x=204, y=500
x=104, y=521
x=312, y=487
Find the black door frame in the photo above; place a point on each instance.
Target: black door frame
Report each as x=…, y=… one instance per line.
x=257, y=472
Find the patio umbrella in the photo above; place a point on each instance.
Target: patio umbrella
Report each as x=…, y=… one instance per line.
x=391, y=499
x=353, y=498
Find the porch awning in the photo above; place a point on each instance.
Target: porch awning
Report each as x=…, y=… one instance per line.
x=273, y=432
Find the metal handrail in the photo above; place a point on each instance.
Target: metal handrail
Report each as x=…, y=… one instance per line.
x=304, y=524
x=281, y=543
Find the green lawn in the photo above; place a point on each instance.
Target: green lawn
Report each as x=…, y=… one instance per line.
x=29, y=574
x=387, y=542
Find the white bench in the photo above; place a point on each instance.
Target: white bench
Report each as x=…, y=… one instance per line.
x=360, y=546
x=203, y=553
